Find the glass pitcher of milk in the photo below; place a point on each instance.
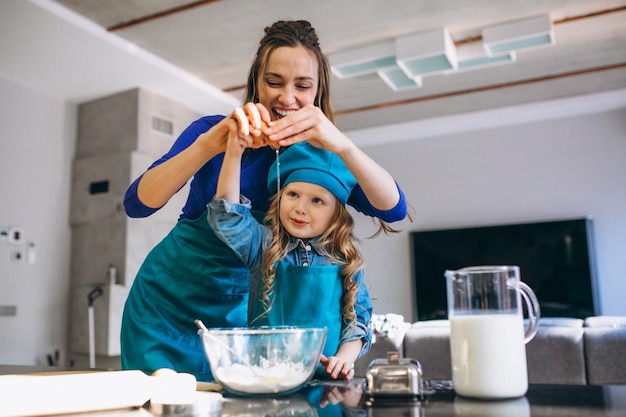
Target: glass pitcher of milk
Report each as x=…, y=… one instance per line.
x=487, y=334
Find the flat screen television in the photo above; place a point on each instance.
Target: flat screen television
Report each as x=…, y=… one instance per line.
x=556, y=259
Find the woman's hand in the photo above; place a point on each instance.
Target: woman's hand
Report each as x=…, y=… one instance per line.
x=159, y=184
x=246, y=121
x=252, y=120
x=238, y=139
x=308, y=124
x=213, y=141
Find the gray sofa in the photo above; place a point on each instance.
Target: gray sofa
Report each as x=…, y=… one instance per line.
x=564, y=351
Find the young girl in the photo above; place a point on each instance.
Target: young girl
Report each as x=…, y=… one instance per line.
x=305, y=266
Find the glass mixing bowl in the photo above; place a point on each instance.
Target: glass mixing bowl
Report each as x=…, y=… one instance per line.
x=264, y=360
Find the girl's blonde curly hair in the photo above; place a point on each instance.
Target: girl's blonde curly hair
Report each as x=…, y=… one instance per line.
x=338, y=244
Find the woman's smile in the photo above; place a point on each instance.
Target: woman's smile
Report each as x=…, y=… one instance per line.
x=289, y=82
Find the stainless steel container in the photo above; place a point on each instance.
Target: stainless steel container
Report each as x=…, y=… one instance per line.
x=394, y=376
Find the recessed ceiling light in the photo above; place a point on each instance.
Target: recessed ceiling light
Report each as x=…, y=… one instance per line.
x=426, y=53
x=472, y=56
x=367, y=59
x=397, y=80
x=518, y=35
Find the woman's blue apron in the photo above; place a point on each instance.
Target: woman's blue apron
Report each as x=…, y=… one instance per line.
x=305, y=296
x=189, y=275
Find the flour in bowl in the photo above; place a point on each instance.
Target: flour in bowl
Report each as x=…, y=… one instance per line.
x=262, y=380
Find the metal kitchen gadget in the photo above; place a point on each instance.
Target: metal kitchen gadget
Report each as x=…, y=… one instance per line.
x=394, y=377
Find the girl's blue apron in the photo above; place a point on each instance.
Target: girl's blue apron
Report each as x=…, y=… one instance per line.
x=189, y=275
x=305, y=296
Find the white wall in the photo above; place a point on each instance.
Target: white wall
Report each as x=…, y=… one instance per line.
x=570, y=167
x=37, y=133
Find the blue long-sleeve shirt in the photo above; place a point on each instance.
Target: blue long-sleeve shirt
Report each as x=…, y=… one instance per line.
x=255, y=165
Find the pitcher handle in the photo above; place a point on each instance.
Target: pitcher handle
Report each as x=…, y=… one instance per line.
x=534, y=312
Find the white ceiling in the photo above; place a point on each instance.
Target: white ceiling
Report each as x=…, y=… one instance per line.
x=201, y=54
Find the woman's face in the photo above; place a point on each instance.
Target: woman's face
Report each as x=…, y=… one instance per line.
x=289, y=82
x=306, y=210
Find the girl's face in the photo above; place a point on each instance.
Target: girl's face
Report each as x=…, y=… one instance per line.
x=289, y=82
x=306, y=210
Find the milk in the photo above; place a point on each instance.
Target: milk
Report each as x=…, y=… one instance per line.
x=488, y=355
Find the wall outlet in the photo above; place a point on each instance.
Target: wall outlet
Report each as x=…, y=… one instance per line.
x=13, y=235
x=16, y=235
x=17, y=256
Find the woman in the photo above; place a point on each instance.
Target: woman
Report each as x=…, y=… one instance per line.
x=191, y=274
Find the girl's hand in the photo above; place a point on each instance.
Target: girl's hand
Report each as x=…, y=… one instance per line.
x=308, y=124
x=337, y=368
x=237, y=143
x=348, y=395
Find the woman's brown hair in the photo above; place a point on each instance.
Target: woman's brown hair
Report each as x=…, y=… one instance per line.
x=291, y=33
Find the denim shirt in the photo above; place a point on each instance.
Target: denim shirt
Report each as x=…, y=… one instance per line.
x=236, y=226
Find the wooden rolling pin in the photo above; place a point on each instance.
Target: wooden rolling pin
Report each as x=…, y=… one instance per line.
x=75, y=392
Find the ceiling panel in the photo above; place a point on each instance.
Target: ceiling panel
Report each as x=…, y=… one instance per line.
x=216, y=40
